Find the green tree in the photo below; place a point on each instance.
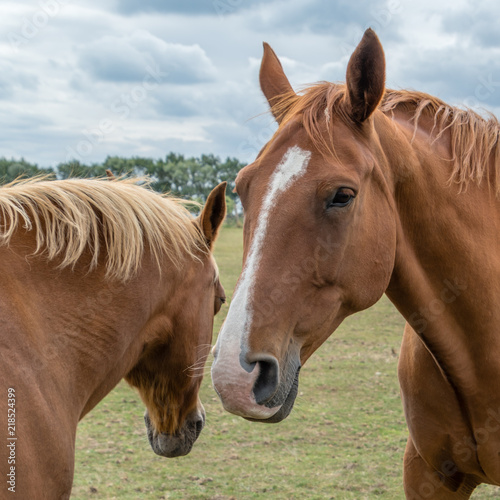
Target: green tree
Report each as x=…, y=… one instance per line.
x=188, y=178
x=76, y=169
x=13, y=169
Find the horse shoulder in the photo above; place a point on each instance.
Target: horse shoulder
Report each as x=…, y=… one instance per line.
x=438, y=428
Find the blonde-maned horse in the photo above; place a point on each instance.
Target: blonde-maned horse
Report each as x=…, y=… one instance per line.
x=100, y=280
x=362, y=191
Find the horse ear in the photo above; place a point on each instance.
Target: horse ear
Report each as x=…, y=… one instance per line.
x=273, y=80
x=213, y=213
x=365, y=78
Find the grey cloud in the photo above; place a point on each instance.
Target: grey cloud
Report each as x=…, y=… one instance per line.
x=193, y=7
x=33, y=137
x=323, y=16
x=131, y=59
x=209, y=76
x=169, y=103
x=476, y=21
x=13, y=79
x=223, y=101
x=442, y=72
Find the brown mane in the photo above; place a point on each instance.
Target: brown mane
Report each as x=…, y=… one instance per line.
x=473, y=138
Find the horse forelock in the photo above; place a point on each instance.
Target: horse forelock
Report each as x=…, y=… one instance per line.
x=116, y=220
x=474, y=138
x=316, y=107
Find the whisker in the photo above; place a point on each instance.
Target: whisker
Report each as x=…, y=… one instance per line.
x=199, y=371
x=196, y=369
x=196, y=375
x=204, y=345
x=196, y=366
x=199, y=365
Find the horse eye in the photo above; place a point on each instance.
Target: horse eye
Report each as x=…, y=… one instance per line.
x=218, y=303
x=342, y=198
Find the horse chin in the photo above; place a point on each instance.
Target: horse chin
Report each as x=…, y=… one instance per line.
x=287, y=405
x=180, y=443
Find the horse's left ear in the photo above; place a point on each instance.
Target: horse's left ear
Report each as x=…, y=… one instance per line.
x=273, y=81
x=365, y=78
x=213, y=213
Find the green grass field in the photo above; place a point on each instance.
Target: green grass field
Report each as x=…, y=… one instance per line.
x=344, y=439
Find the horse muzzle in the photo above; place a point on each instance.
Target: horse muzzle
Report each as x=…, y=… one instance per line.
x=180, y=443
x=256, y=388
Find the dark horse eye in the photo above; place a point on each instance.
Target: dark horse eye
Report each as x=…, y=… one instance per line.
x=218, y=304
x=342, y=198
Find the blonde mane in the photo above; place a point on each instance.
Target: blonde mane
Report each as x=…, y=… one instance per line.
x=473, y=138
x=113, y=219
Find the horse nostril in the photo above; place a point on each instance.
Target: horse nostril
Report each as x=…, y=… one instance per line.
x=199, y=424
x=267, y=381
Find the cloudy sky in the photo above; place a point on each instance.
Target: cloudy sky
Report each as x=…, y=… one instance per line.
x=86, y=79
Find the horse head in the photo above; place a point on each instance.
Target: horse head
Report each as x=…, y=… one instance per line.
x=319, y=233
x=178, y=340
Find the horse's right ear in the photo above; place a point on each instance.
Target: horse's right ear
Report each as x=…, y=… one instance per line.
x=213, y=214
x=273, y=80
x=365, y=78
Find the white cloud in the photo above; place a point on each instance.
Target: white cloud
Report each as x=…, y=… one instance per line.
x=131, y=58
x=85, y=63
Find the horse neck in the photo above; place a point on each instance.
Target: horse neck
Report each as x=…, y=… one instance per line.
x=447, y=241
x=113, y=341
x=77, y=334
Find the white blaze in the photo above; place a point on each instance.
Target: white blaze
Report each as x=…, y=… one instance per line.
x=232, y=341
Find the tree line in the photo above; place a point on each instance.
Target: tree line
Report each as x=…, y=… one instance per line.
x=188, y=178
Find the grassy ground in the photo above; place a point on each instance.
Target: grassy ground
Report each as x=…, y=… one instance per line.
x=344, y=439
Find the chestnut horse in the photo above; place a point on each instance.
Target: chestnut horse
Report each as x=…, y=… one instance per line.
x=363, y=191
x=101, y=279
